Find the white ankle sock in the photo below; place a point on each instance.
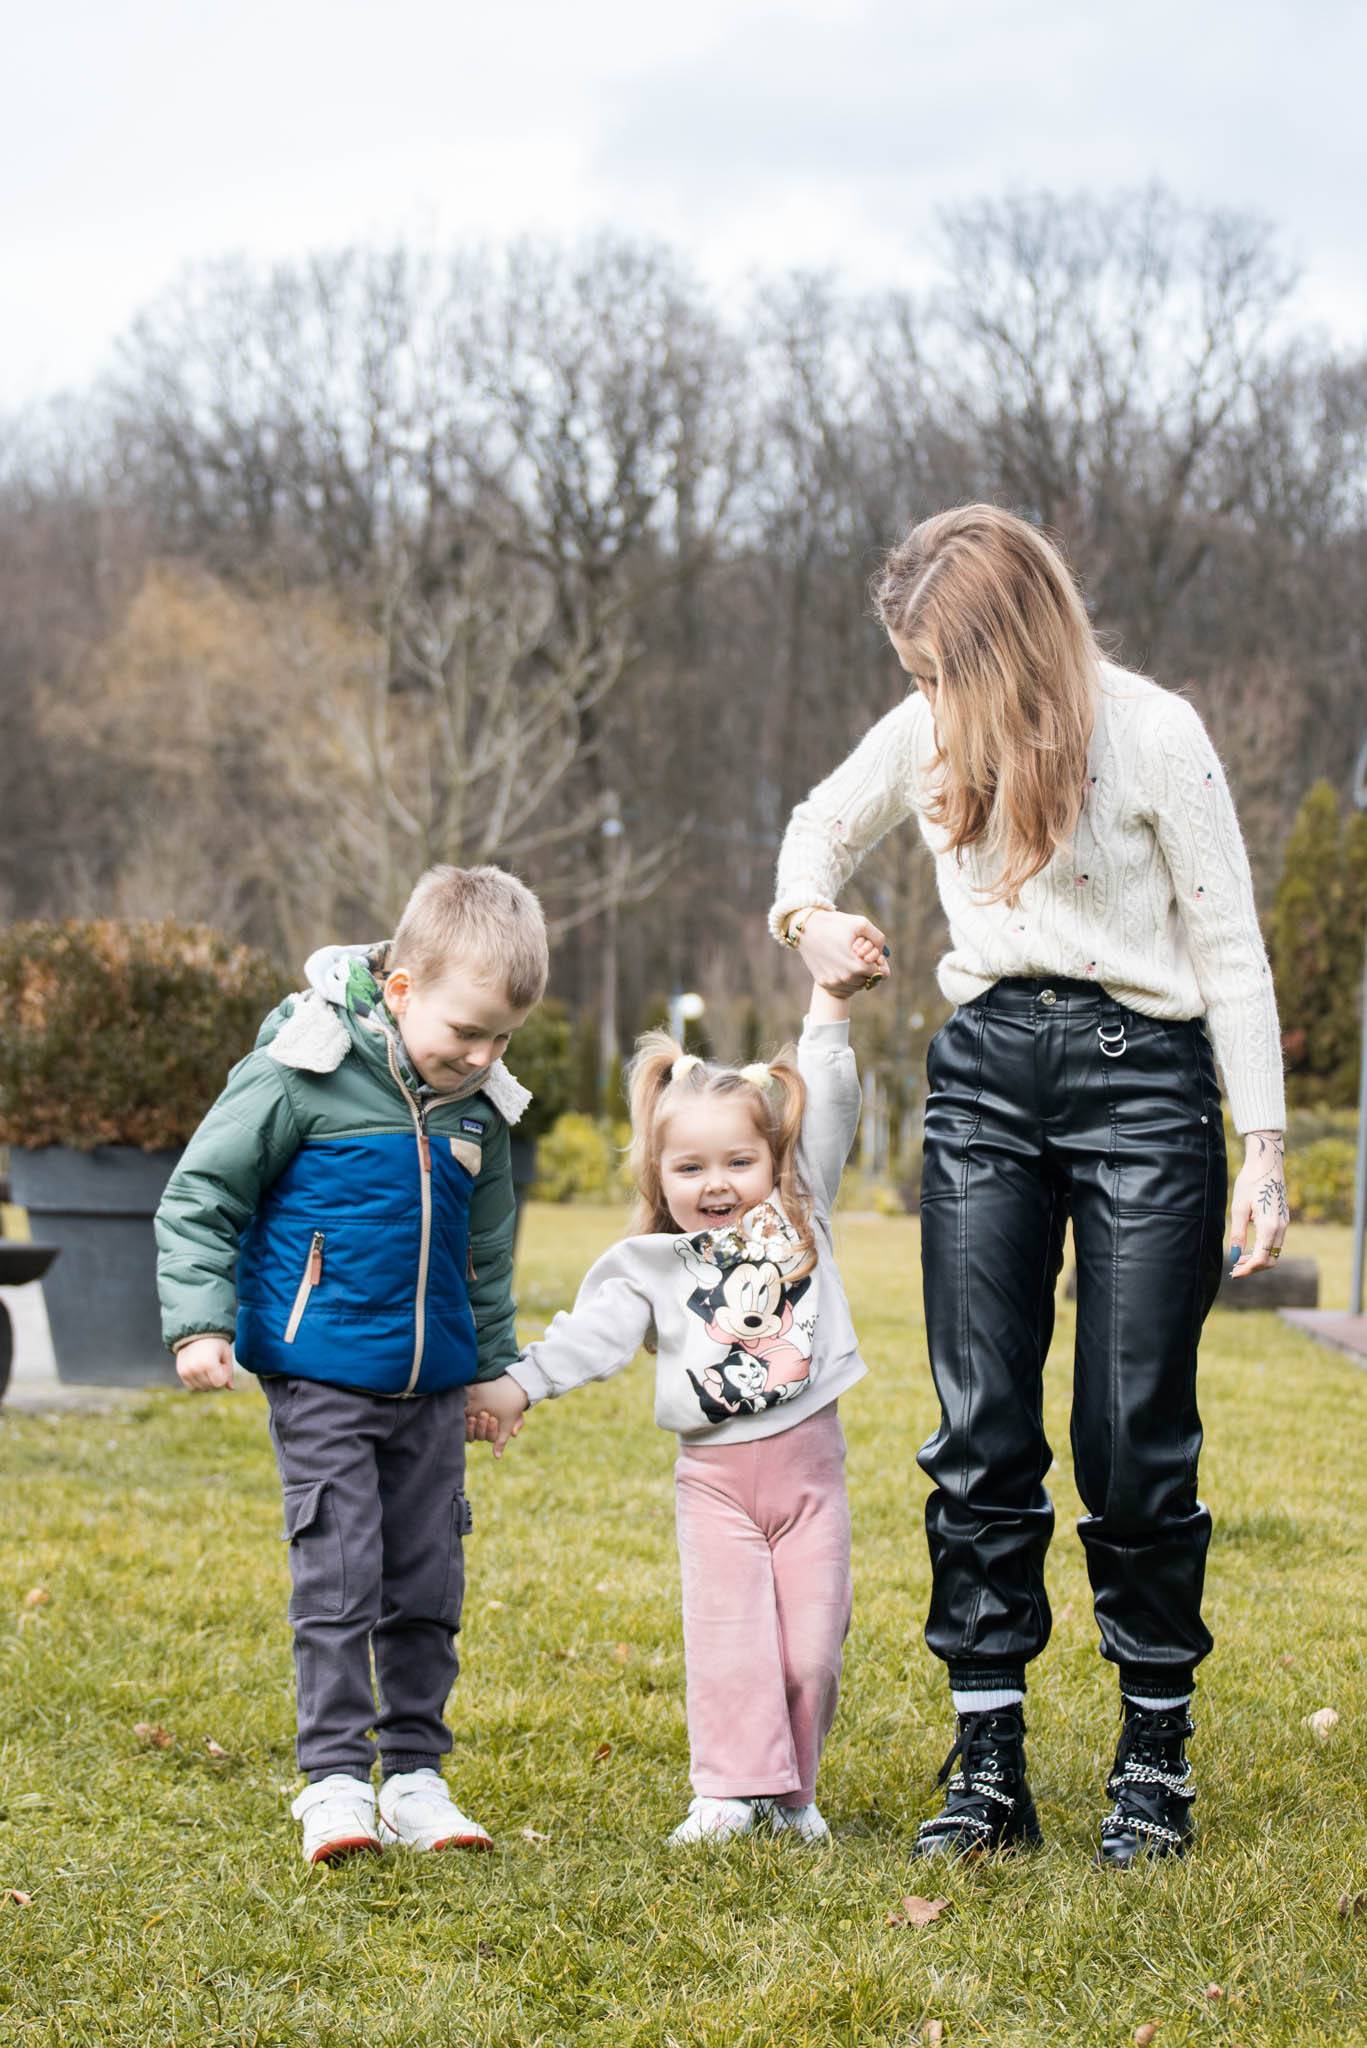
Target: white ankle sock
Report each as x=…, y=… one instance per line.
x=1158, y=1706
x=987, y=1702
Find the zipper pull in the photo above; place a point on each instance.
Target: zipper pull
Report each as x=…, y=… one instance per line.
x=425, y=1149
x=316, y=1259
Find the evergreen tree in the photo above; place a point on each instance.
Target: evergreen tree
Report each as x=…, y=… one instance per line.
x=1315, y=943
x=1353, y=937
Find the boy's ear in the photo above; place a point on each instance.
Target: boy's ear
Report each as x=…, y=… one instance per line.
x=397, y=989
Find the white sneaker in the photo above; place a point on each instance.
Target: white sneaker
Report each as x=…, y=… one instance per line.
x=714, y=1820
x=339, y=1818
x=805, y=1823
x=417, y=1810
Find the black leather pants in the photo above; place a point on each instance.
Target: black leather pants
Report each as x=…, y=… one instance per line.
x=1049, y=1100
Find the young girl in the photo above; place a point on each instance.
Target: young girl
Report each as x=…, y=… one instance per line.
x=730, y=1266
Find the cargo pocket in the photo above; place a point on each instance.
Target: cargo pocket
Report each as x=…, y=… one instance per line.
x=462, y=1522
x=315, y=1543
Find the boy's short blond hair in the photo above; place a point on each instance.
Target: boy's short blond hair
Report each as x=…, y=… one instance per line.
x=483, y=919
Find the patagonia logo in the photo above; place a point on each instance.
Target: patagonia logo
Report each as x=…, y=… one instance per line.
x=472, y=1127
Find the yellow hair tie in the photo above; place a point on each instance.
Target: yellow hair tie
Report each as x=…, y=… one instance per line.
x=683, y=1065
x=757, y=1074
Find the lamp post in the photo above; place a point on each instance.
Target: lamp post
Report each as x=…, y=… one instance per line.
x=612, y=830
x=1360, y=1178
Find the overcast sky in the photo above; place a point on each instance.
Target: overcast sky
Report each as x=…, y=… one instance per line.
x=139, y=135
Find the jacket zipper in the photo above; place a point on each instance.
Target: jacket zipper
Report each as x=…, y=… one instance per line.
x=425, y=1239
x=415, y=1110
x=312, y=1274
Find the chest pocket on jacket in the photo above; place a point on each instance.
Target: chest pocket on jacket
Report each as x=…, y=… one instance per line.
x=470, y=1153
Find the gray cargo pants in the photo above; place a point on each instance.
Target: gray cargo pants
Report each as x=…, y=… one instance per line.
x=375, y=1511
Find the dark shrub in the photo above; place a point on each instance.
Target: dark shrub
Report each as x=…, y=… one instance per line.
x=122, y=1034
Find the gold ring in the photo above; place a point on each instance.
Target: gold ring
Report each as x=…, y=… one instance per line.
x=873, y=981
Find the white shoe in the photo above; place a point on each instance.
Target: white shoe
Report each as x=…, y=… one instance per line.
x=714, y=1820
x=339, y=1818
x=417, y=1810
x=804, y=1822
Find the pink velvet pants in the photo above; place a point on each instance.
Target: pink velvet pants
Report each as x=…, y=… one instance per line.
x=764, y=1549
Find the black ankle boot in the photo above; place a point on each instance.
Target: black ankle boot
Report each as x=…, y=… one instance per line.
x=1151, y=1785
x=987, y=1804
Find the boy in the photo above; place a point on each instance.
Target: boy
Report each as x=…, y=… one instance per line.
x=345, y=1214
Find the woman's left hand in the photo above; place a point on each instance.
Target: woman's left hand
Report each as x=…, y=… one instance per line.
x=1259, y=1198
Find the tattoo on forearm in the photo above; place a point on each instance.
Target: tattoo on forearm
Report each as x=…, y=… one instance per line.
x=1267, y=1158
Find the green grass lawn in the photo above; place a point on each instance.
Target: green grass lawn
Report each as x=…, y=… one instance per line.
x=169, y=1902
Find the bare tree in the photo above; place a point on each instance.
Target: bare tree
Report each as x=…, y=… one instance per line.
x=1101, y=353
x=540, y=556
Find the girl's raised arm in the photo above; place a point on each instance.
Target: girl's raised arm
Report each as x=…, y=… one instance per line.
x=827, y=1064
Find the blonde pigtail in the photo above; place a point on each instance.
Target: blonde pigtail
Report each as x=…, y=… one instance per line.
x=649, y=1076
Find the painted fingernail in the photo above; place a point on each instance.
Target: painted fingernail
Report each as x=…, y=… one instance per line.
x=887, y=952
x=1234, y=1256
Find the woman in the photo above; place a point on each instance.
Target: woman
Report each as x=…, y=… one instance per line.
x=1101, y=922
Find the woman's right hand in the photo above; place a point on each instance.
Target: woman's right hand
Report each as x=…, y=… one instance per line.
x=841, y=951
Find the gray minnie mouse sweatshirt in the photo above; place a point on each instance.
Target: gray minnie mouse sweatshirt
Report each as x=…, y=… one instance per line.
x=742, y=1350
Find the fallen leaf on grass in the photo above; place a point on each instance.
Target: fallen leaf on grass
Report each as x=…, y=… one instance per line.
x=1287, y=1661
x=1214, y=1991
x=215, y=1749
x=19, y=1898
x=1352, y=1905
x=153, y=1734
x=602, y=1753
x=495, y=1606
x=917, y=1912
x=621, y=1651
x=485, y=1949
x=934, y=2033
x=37, y=1596
x=532, y=1835
x=1143, y=2035
x=1323, y=1723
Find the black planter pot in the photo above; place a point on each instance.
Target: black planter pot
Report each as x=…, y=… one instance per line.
x=19, y=1263
x=96, y=1208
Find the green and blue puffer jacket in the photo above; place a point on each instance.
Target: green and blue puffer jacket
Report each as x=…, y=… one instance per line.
x=338, y=1220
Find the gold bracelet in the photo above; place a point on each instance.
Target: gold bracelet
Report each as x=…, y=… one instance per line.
x=795, y=923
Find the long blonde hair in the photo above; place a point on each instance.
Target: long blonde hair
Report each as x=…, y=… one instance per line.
x=774, y=1096
x=984, y=605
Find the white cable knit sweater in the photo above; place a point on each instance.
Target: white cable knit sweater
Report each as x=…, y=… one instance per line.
x=1153, y=900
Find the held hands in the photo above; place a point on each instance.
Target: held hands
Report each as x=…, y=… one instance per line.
x=1260, y=1199
x=493, y=1413
x=842, y=953
x=206, y=1363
